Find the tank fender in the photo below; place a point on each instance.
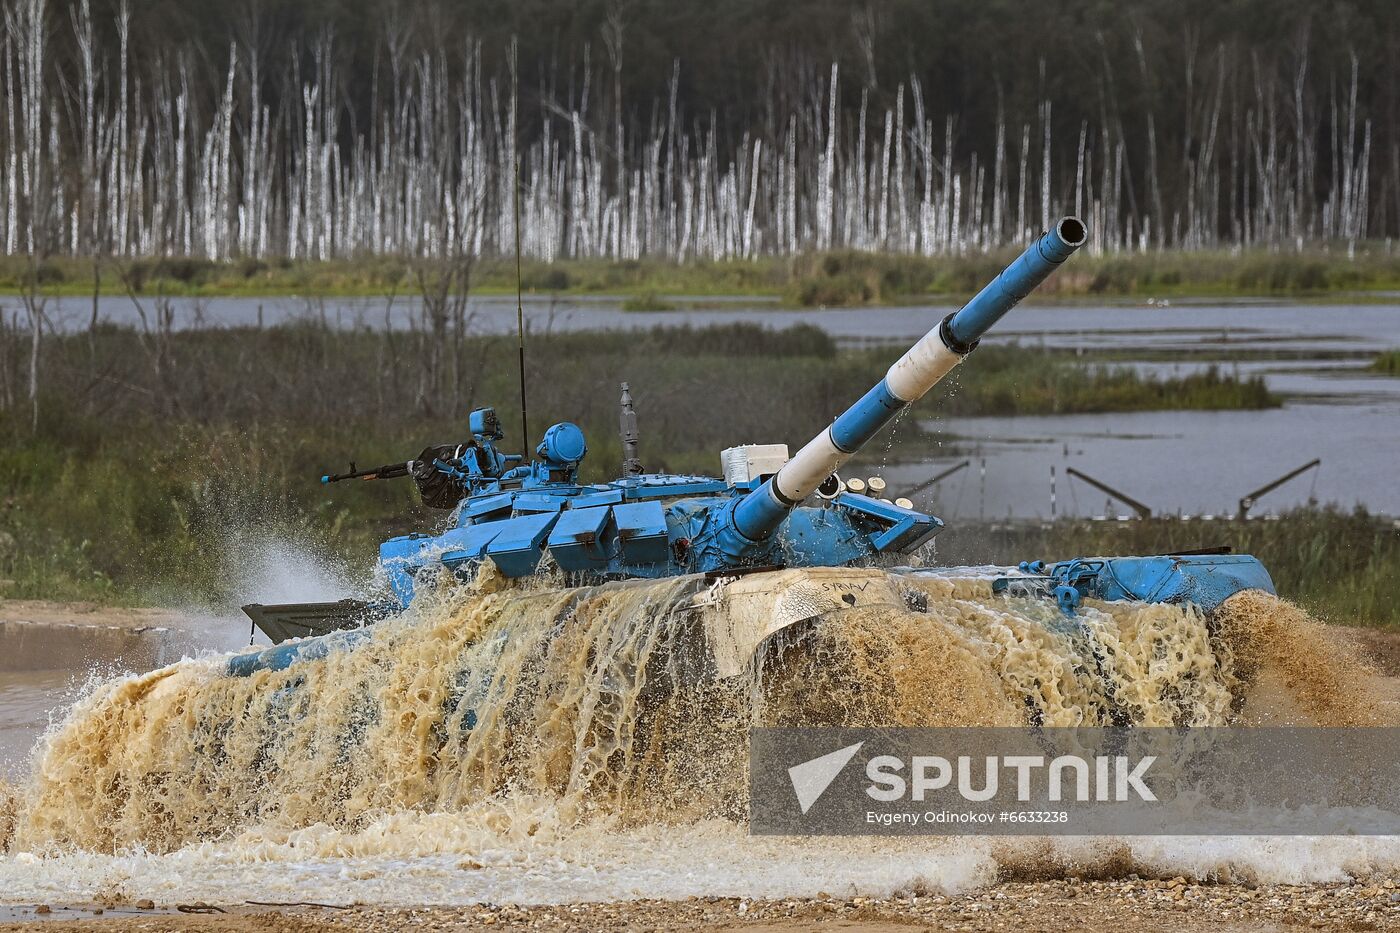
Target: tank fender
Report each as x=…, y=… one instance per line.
x=1204, y=580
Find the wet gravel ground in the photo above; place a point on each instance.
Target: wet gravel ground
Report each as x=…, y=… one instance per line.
x=1024, y=907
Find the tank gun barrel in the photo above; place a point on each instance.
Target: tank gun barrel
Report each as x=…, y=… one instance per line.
x=921, y=368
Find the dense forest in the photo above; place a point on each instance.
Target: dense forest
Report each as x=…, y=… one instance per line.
x=731, y=128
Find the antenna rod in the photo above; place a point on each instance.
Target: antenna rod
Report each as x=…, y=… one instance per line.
x=519, y=288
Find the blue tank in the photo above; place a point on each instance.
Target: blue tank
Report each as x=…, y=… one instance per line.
x=769, y=511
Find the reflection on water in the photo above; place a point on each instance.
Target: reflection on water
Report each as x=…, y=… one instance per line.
x=1176, y=462
x=26, y=700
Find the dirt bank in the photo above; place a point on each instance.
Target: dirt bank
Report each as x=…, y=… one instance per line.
x=44, y=612
x=1027, y=907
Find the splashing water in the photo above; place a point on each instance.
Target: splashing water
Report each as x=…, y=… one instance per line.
x=267, y=568
x=547, y=743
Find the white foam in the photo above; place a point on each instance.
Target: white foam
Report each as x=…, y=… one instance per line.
x=424, y=859
x=439, y=859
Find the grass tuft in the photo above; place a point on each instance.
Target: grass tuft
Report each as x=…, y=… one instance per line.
x=647, y=301
x=1387, y=363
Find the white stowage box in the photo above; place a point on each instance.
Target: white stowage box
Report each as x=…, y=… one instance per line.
x=751, y=461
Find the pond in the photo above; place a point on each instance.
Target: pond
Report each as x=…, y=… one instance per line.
x=1188, y=462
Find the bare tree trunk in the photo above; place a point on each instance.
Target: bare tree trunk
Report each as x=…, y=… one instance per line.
x=34, y=306
x=157, y=148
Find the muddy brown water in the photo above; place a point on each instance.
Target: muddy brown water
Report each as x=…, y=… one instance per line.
x=405, y=816
x=49, y=656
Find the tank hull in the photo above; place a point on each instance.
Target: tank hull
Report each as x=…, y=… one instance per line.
x=732, y=615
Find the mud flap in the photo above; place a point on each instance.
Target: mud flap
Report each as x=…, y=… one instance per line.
x=308, y=620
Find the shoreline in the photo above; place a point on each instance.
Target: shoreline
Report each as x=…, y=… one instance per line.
x=682, y=301
x=838, y=278
x=690, y=299
x=56, y=614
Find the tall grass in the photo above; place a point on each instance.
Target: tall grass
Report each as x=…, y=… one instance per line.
x=1343, y=566
x=1011, y=380
x=140, y=476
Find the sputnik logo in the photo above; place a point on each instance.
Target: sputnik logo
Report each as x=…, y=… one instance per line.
x=811, y=778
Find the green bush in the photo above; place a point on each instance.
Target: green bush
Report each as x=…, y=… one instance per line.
x=647, y=301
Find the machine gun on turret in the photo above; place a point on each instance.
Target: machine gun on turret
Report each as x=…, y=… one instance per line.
x=446, y=474
x=438, y=473
x=389, y=471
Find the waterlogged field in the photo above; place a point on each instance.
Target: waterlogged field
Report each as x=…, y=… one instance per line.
x=195, y=441
x=1236, y=378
